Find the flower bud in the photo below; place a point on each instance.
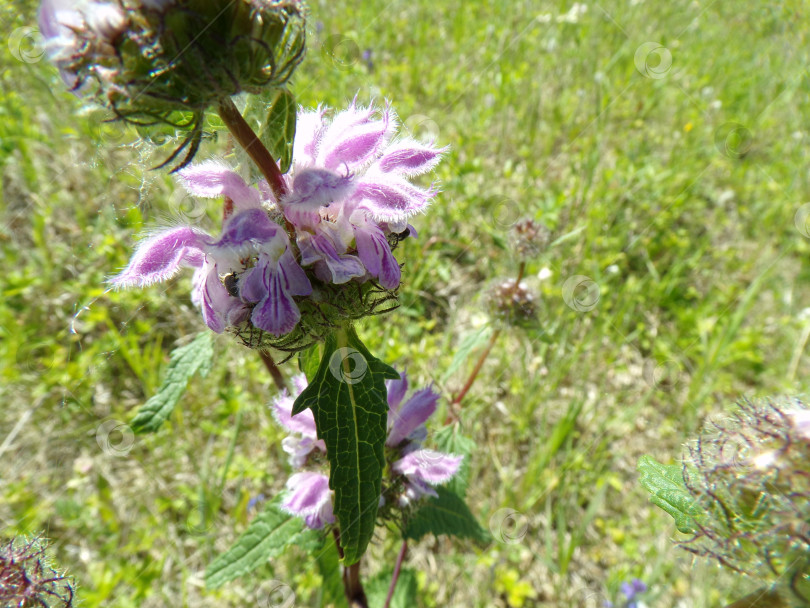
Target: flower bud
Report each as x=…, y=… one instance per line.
x=530, y=238
x=164, y=61
x=749, y=477
x=512, y=302
x=28, y=579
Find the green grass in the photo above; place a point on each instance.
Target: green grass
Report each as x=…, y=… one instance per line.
x=702, y=277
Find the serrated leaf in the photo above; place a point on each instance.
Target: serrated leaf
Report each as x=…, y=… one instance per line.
x=405, y=593
x=668, y=491
x=450, y=441
x=270, y=532
x=309, y=360
x=348, y=398
x=468, y=344
x=332, y=592
x=193, y=358
x=446, y=514
x=278, y=128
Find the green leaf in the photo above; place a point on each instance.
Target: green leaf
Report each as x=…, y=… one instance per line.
x=332, y=592
x=349, y=401
x=667, y=488
x=309, y=360
x=468, y=344
x=450, y=441
x=278, y=129
x=405, y=593
x=446, y=514
x=270, y=532
x=184, y=362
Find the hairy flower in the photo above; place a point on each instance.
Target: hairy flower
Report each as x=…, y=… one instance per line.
x=749, y=478
x=28, y=579
x=414, y=470
x=295, y=268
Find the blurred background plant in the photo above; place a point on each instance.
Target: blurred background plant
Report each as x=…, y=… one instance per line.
x=672, y=181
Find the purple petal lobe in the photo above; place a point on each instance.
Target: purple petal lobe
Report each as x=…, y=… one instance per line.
x=161, y=256
x=413, y=413
x=215, y=301
x=319, y=246
x=410, y=158
x=250, y=227
x=303, y=423
x=375, y=253
x=429, y=466
x=314, y=188
x=212, y=179
x=396, y=392
x=273, y=284
x=309, y=497
x=391, y=199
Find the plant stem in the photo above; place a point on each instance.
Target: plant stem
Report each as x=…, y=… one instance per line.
x=275, y=372
x=400, y=558
x=352, y=586
x=246, y=138
x=494, y=338
x=478, y=365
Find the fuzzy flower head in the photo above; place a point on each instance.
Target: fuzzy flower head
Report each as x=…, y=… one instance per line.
x=167, y=61
x=283, y=273
x=750, y=478
x=414, y=471
x=27, y=577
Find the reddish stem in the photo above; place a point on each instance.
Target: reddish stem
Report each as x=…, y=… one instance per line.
x=275, y=372
x=352, y=586
x=246, y=138
x=400, y=558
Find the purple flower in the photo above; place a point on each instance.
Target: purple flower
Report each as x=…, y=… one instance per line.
x=309, y=497
x=252, y=249
x=631, y=589
x=348, y=190
x=419, y=469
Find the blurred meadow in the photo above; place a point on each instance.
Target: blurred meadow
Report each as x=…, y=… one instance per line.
x=664, y=144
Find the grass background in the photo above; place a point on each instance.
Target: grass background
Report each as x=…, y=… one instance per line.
x=677, y=195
